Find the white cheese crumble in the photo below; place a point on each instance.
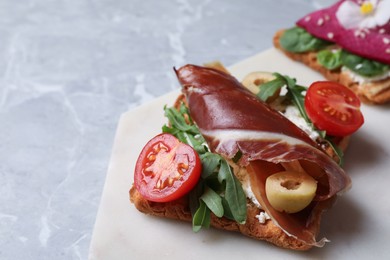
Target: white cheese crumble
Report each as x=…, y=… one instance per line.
x=263, y=217
x=246, y=185
x=361, y=79
x=293, y=114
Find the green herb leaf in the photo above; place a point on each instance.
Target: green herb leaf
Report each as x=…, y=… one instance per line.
x=210, y=192
x=295, y=93
x=227, y=211
x=330, y=59
x=210, y=161
x=201, y=217
x=362, y=66
x=170, y=130
x=197, y=142
x=213, y=201
x=322, y=133
x=269, y=88
x=194, y=196
x=338, y=151
x=178, y=121
x=234, y=193
x=299, y=40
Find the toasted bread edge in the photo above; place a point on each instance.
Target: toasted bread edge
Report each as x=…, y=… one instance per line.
x=366, y=91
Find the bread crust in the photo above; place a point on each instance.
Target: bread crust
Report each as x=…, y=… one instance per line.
x=377, y=92
x=179, y=210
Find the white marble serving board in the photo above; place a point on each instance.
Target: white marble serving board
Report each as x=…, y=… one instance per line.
x=358, y=225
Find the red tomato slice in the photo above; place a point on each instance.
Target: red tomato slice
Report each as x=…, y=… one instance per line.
x=334, y=108
x=166, y=169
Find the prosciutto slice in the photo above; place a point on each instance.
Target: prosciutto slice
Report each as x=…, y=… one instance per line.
x=233, y=120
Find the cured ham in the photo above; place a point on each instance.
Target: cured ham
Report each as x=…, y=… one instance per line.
x=233, y=120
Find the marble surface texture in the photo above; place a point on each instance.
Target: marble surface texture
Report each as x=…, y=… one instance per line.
x=69, y=69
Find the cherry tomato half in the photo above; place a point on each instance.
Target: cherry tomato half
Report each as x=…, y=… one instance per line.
x=166, y=169
x=334, y=108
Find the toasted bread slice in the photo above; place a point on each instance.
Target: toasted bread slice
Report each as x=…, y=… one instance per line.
x=179, y=210
x=377, y=92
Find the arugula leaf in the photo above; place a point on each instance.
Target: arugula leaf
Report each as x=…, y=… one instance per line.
x=363, y=66
x=295, y=94
x=299, y=101
x=227, y=211
x=194, y=196
x=186, y=132
x=269, y=88
x=234, y=193
x=178, y=121
x=295, y=91
x=330, y=59
x=210, y=161
x=211, y=194
x=201, y=218
x=338, y=151
x=213, y=201
x=299, y=40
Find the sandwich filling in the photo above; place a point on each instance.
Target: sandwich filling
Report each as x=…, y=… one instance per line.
x=237, y=126
x=355, y=27
x=351, y=37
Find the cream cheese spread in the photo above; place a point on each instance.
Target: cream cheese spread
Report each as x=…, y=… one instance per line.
x=361, y=79
x=293, y=114
x=246, y=185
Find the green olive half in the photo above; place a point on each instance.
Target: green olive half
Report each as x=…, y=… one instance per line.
x=290, y=191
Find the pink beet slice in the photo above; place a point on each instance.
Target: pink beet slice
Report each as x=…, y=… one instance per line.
x=371, y=43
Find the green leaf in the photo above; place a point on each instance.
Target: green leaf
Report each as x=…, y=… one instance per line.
x=234, y=194
x=170, y=130
x=269, y=88
x=183, y=110
x=295, y=94
x=362, y=66
x=213, y=201
x=322, y=133
x=210, y=192
x=210, y=162
x=299, y=102
x=227, y=211
x=338, y=151
x=299, y=40
x=197, y=142
x=194, y=196
x=178, y=121
x=330, y=59
x=201, y=217
x=214, y=184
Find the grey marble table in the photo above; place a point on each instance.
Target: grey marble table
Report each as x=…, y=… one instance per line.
x=68, y=69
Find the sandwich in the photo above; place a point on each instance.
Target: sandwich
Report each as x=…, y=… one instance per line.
x=233, y=157
x=348, y=42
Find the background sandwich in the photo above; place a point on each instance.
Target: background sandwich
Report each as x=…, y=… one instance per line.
x=348, y=42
